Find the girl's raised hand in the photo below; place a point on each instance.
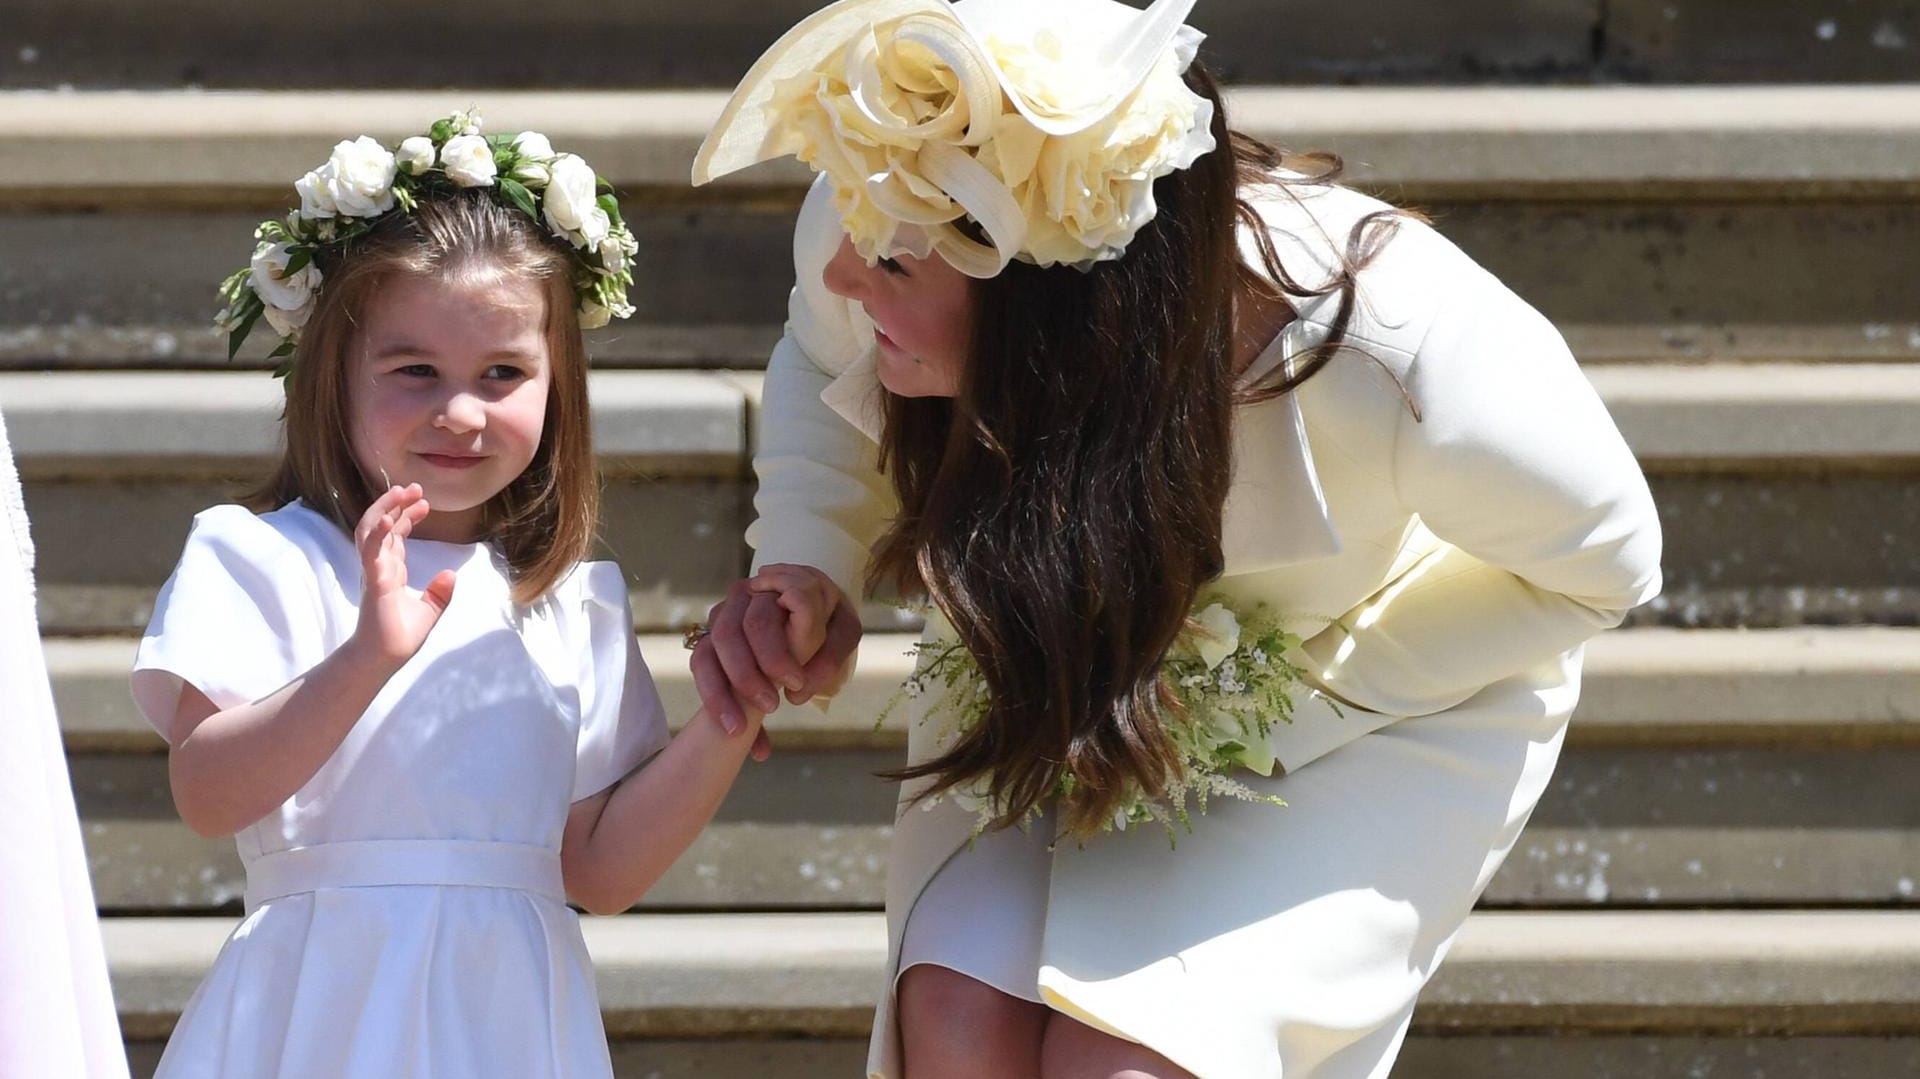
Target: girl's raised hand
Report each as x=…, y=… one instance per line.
x=394, y=619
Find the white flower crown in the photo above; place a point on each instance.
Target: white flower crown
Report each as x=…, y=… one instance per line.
x=1042, y=122
x=364, y=182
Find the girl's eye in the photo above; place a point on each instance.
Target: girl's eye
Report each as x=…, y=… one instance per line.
x=505, y=372
x=893, y=266
x=415, y=370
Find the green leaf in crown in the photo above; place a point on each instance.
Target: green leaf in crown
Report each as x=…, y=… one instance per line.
x=1229, y=672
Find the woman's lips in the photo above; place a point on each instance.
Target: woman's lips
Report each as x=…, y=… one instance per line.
x=886, y=342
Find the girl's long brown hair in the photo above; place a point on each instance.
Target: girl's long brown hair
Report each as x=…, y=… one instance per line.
x=1064, y=509
x=544, y=521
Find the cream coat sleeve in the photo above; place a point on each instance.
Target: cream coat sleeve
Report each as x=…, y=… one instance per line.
x=1549, y=532
x=821, y=500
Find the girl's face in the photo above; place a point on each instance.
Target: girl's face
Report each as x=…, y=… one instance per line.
x=921, y=311
x=448, y=389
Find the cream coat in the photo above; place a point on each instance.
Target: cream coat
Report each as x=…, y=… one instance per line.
x=1444, y=572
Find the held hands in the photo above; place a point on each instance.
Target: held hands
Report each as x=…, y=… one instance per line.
x=789, y=627
x=394, y=619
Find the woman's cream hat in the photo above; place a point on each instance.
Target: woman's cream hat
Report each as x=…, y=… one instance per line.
x=1043, y=121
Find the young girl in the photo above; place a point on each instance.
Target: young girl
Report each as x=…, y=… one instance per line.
x=420, y=713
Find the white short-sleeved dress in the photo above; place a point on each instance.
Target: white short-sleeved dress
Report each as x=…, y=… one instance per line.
x=404, y=909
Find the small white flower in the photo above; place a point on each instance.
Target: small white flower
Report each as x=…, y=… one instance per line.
x=315, y=202
x=415, y=155
x=593, y=314
x=287, y=323
x=276, y=288
x=570, y=204
x=914, y=687
x=1260, y=657
x=533, y=144
x=617, y=250
x=533, y=174
x=466, y=123
x=359, y=178
x=1220, y=634
x=468, y=161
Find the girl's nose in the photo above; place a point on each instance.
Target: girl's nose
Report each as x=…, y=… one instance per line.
x=847, y=274
x=461, y=413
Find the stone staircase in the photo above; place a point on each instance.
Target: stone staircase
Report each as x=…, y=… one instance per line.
x=1722, y=878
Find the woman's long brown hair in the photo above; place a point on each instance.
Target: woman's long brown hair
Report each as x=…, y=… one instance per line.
x=1064, y=509
x=544, y=521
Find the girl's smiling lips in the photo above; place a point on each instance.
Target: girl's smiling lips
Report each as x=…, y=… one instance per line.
x=452, y=460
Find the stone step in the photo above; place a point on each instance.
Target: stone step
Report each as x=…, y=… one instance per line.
x=1761, y=768
x=220, y=423
x=1607, y=265
x=1851, y=688
x=1786, y=491
x=191, y=149
x=808, y=830
x=1755, y=550
x=194, y=346
x=1640, y=828
x=1437, y=1055
x=496, y=43
x=1678, y=418
x=1797, y=973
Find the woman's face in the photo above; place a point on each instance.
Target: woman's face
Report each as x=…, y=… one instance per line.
x=921, y=309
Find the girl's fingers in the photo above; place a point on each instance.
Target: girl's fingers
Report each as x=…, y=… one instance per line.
x=716, y=693
x=762, y=746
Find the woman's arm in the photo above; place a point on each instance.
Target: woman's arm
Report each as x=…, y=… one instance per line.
x=1551, y=532
x=821, y=500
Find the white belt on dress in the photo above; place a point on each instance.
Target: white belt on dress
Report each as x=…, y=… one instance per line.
x=377, y=863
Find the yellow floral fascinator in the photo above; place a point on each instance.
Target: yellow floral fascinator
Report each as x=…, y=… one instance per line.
x=983, y=130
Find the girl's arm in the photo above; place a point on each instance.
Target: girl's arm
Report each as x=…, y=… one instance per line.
x=228, y=768
x=619, y=842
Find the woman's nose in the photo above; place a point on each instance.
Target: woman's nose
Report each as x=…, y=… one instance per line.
x=847, y=273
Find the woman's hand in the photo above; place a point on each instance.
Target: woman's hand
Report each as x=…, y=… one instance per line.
x=394, y=619
x=788, y=627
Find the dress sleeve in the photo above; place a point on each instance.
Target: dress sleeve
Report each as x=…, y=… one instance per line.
x=821, y=500
x=622, y=722
x=1549, y=532
x=239, y=618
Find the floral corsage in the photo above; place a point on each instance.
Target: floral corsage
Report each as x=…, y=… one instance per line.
x=1229, y=672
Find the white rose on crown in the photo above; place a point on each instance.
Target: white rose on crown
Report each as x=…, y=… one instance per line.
x=288, y=298
x=533, y=144
x=415, y=156
x=468, y=161
x=357, y=181
x=570, y=203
